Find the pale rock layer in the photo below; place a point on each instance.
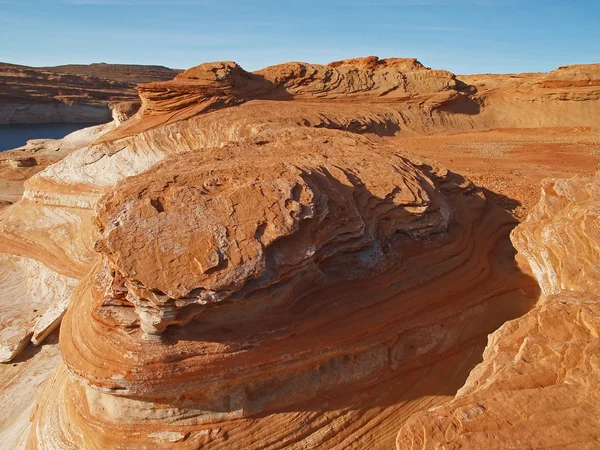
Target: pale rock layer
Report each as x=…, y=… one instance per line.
x=21, y=382
x=45, y=250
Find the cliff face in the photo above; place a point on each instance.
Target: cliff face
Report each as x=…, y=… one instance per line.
x=538, y=385
x=246, y=253
x=69, y=93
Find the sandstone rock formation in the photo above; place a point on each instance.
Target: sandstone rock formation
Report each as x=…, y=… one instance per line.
x=34, y=295
x=539, y=383
x=265, y=275
x=214, y=86
x=397, y=96
x=248, y=254
x=560, y=236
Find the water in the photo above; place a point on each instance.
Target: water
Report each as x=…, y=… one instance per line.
x=17, y=134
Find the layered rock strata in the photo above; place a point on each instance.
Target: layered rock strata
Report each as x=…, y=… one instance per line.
x=213, y=86
x=45, y=247
x=264, y=276
x=70, y=93
x=400, y=93
x=539, y=383
x=283, y=268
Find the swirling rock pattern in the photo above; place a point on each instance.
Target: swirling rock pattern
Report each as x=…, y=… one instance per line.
x=560, y=236
x=256, y=278
x=538, y=386
x=247, y=218
x=248, y=258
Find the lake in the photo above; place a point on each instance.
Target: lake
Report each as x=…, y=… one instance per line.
x=17, y=134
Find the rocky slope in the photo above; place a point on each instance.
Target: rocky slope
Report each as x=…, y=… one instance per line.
x=246, y=253
x=264, y=276
x=70, y=93
x=34, y=297
x=538, y=385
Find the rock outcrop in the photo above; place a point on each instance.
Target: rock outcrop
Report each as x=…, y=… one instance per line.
x=266, y=275
x=539, y=383
x=213, y=86
x=397, y=96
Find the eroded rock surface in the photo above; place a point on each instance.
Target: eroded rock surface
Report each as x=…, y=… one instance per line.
x=560, y=236
x=271, y=274
x=246, y=218
x=538, y=386
x=250, y=254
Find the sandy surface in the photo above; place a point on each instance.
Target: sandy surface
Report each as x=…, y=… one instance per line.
x=511, y=163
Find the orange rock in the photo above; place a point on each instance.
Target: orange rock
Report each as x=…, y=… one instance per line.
x=266, y=275
x=539, y=383
x=250, y=253
x=218, y=85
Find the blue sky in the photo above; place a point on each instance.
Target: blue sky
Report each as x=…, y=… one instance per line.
x=464, y=36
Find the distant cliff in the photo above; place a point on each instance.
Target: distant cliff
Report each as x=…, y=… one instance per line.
x=73, y=93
